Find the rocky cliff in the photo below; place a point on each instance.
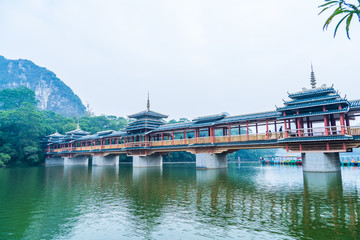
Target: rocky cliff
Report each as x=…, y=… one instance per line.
x=52, y=93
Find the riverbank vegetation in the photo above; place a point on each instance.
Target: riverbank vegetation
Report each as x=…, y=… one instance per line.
x=23, y=126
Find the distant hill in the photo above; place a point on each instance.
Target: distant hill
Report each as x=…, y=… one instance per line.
x=52, y=93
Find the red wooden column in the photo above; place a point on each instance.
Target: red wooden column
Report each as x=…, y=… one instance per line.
x=344, y=146
x=195, y=135
x=298, y=124
x=185, y=135
x=285, y=125
x=342, y=121
x=347, y=120
x=229, y=133
x=275, y=126
x=173, y=137
x=326, y=122
x=162, y=138
x=247, y=131
x=267, y=129
x=286, y=131
x=213, y=133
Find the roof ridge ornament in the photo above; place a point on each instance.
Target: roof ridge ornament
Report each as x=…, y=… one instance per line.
x=148, y=103
x=312, y=78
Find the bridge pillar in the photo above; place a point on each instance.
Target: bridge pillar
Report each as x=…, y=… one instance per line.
x=110, y=160
x=54, y=161
x=211, y=161
x=320, y=162
x=154, y=160
x=78, y=160
x=62, y=161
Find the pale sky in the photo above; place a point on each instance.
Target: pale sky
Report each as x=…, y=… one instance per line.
x=194, y=57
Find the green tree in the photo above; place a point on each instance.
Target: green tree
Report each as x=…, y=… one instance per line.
x=342, y=8
x=21, y=132
x=11, y=98
x=4, y=159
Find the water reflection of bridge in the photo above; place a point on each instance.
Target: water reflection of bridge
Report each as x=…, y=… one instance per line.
x=216, y=202
x=315, y=122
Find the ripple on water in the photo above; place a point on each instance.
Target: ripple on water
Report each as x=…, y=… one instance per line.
x=250, y=202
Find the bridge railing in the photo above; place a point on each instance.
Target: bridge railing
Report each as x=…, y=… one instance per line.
x=323, y=131
x=353, y=130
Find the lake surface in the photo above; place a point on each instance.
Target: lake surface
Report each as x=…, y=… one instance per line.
x=177, y=201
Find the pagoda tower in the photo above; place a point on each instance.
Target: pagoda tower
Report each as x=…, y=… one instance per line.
x=145, y=121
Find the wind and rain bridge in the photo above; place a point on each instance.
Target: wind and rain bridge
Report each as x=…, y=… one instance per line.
x=315, y=122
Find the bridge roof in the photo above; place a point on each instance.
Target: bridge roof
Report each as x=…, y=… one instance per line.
x=225, y=120
x=313, y=104
x=77, y=131
x=312, y=92
x=309, y=114
x=311, y=99
x=102, y=134
x=147, y=113
x=355, y=104
x=144, y=123
x=210, y=118
x=55, y=135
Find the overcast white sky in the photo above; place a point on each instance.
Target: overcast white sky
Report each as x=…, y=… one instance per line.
x=195, y=57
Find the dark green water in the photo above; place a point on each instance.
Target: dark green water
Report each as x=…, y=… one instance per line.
x=178, y=202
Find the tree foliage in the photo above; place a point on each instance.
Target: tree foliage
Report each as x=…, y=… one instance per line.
x=23, y=126
x=343, y=9
x=11, y=98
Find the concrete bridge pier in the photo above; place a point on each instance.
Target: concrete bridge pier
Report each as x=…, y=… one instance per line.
x=211, y=161
x=110, y=160
x=54, y=161
x=78, y=160
x=154, y=160
x=320, y=162
x=63, y=161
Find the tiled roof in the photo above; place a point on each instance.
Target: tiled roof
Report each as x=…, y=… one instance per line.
x=148, y=113
x=250, y=117
x=354, y=104
x=226, y=120
x=210, y=118
x=77, y=132
x=313, y=104
x=312, y=99
x=312, y=92
x=309, y=114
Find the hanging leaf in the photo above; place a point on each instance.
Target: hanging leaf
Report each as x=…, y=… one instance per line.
x=342, y=8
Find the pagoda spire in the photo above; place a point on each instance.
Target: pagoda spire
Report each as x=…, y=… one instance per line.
x=148, y=103
x=312, y=78
x=78, y=126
